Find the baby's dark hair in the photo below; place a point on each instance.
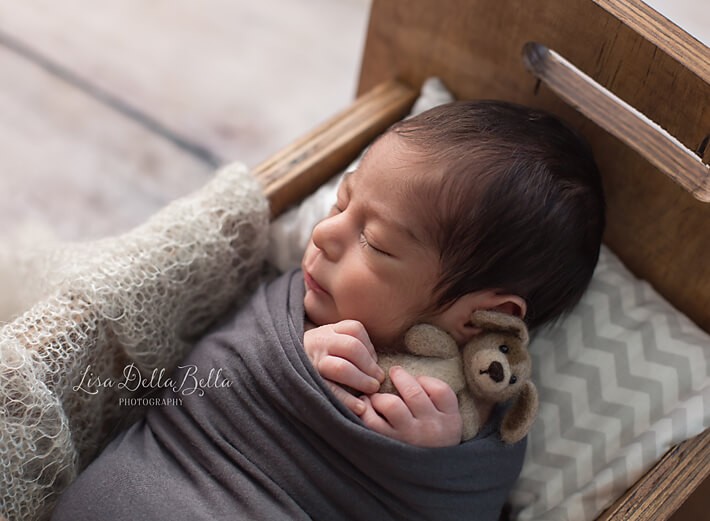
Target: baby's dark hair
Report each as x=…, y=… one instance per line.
x=519, y=203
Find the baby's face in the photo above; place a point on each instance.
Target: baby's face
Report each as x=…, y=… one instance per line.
x=369, y=259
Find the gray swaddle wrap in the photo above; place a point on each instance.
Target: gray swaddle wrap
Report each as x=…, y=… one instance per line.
x=277, y=444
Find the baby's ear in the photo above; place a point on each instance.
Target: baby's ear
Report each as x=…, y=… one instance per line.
x=521, y=415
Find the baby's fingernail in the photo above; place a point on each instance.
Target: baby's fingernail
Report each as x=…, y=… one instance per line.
x=380, y=375
x=359, y=407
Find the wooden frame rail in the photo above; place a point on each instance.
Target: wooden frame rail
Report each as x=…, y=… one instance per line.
x=664, y=488
x=303, y=166
x=657, y=145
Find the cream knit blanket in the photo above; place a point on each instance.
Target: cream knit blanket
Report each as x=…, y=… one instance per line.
x=140, y=298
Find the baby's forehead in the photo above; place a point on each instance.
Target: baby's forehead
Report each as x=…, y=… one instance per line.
x=390, y=147
x=393, y=157
x=399, y=188
x=402, y=182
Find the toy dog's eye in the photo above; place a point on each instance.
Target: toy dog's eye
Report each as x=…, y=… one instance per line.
x=504, y=349
x=513, y=379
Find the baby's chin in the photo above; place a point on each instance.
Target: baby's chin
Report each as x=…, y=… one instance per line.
x=309, y=320
x=315, y=313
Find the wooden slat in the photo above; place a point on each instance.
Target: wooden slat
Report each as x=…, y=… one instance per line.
x=75, y=168
x=239, y=79
x=617, y=117
x=662, y=490
x=306, y=164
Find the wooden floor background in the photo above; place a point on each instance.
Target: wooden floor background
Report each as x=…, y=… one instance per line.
x=108, y=110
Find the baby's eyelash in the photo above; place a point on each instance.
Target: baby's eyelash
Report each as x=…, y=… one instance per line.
x=364, y=242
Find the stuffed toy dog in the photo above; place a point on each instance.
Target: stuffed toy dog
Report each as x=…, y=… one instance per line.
x=494, y=366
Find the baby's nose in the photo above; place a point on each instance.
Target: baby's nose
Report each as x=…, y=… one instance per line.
x=326, y=238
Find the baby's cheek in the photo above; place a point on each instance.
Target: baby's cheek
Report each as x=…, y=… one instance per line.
x=357, y=294
x=374, y=304
x=356, y=291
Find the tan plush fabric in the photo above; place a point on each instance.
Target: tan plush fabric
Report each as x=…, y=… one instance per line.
x=140, y=297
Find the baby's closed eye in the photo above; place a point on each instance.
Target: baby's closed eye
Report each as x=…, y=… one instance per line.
x=368, y=244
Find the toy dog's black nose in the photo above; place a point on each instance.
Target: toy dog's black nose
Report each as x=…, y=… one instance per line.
x=495, y=371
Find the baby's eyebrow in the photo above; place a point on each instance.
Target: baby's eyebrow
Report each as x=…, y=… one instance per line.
x=392, y=223
x=403, y=228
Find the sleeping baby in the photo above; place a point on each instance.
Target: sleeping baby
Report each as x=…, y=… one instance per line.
x=468, y=206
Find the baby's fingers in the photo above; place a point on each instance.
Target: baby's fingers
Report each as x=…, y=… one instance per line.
x=374, y=421
x=344, y=372
x=357, y=330
x=412, y=392
x=353, y=403
x=441, y=394
x=358, y=354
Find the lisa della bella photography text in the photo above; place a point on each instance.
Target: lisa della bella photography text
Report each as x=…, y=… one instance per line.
x=185, y=381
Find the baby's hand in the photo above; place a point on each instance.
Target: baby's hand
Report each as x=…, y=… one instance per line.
x=344, y=355
x=426, y=413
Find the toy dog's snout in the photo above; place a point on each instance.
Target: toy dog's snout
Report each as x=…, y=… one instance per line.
x=495, y=371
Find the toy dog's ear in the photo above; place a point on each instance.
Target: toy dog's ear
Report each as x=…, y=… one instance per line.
x=498, y=321
x=521, y=415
